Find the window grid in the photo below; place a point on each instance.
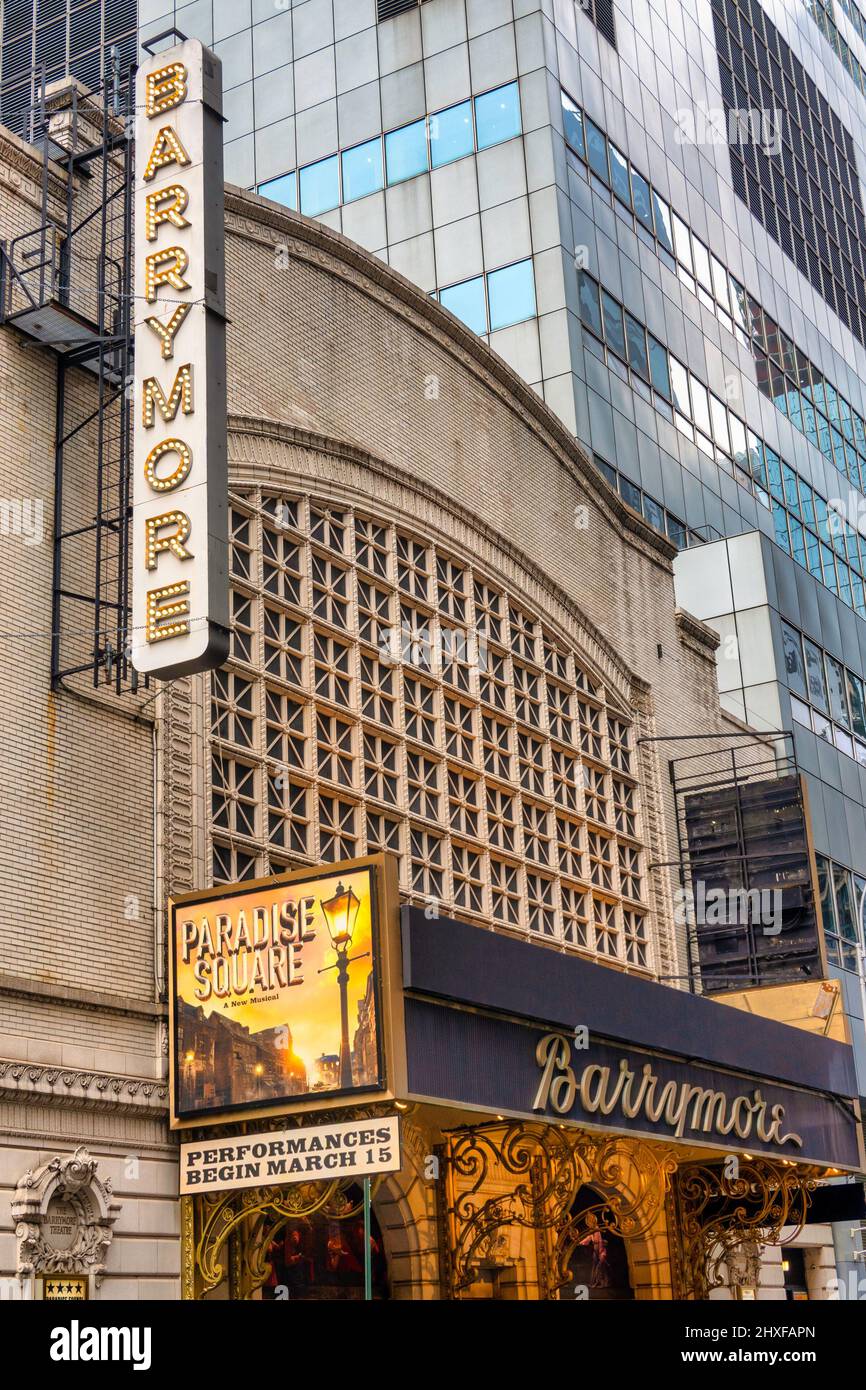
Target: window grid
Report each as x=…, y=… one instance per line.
x=826, y=696
x=817, y=535
x=840, y=905
x=830, y=423
x=327, y=184
x=332, y=737
x=807, y=197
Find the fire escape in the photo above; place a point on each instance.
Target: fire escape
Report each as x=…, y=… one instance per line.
x=65, y=284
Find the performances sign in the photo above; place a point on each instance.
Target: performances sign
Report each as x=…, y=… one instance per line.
x=180, y=491
x=356, y=1149
x=275, y=994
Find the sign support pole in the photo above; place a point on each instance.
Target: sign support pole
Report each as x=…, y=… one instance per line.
x=368, y=1256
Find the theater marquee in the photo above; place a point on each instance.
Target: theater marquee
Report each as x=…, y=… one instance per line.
x=180, y=491
x=277, y=993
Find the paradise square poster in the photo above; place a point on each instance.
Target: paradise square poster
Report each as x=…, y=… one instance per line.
x=275, y=992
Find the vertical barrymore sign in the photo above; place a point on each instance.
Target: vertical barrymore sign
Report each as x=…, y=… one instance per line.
x=180, y=493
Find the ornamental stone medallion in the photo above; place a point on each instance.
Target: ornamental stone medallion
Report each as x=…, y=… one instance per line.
x=64, y=1218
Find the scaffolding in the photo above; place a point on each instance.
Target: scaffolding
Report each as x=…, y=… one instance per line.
x=66, y=285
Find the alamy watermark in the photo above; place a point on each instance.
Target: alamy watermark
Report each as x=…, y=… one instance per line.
x=77, y=1343
x=23, y=517
x=719, y=907
x=846, y=511
x=432, y=648
x=736, y=125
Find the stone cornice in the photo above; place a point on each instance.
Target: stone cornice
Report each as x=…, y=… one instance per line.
x=250, y=216
x=17, y=154
x=36, y=1082
x=592, y=642
x=699, y=633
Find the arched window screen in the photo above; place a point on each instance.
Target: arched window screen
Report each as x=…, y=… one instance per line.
x=384, y=694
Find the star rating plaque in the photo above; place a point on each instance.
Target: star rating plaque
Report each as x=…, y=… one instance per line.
x=64, y=1288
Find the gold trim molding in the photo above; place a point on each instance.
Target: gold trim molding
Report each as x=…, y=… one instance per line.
x=722, y=1219
x=542, y=1169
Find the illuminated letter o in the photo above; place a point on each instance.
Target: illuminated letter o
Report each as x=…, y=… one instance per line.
x=168, y=446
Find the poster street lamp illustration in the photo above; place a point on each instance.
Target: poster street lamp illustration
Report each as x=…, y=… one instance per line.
x=341, y=912
x=188, y=1070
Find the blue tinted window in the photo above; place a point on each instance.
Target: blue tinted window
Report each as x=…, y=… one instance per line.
x=497, y=116
x=589, y=310
x=320, y=186
x=857, y=702
x=830, y=440
x=789, y=486
x=809, y=427
x=778, y=385
x=283, y=190
x=853, y=466
x=791, y=406
x=636, y=339
x=738, y=440
x=467, y=302
x=719, y=419
x=756, y=459
x=662, y=218
x=815, y=675
x=406, y=151
x=619, y=175
x=596, y=149
x=780, y=526
x=512, y=294
x=451, y=134
x=828, y=564
x=774, y=472
x=739, y=303
x=572, y=125
x=851, y=549
x=612, y=314
x=362, y=170
x=630, y=493
x=605, y=469
x=654, y=513
x=845, y=577
x=641, y=197
x=679, y=378
x=798, y=543
x=659, y=367
x=821, y=518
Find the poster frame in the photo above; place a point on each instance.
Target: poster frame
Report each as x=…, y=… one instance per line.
x=385, y=931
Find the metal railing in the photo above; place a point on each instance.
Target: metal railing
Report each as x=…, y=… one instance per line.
x=29, y=271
